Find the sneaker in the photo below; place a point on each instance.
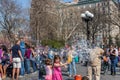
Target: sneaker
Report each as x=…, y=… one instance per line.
x=21, y=76
x=34, y=72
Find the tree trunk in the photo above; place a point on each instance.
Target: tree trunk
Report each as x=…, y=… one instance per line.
x=93, y=39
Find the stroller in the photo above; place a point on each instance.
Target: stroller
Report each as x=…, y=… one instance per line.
x=42, y=70
x=105, y=64
x=9, y=70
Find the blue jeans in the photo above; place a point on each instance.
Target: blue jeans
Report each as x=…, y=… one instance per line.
x=27, y=65
x=34, y=66
x=113, y=66
x=117, y=60
x=22, y=70
x=72, y=67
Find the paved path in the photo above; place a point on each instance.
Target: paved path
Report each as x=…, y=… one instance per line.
x=80, y=70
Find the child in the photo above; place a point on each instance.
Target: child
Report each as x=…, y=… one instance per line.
x=85, y=78
x=57, y=74
x=48, y=69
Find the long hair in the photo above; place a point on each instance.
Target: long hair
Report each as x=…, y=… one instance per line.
x=4, y=48
x=48, y=62
x=56, y=57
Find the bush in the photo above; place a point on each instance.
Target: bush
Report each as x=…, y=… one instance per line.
x=53, y=43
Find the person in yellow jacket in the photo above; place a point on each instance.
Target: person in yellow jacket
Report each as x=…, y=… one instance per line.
x=71, y=62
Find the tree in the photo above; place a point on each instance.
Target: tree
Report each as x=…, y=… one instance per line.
x=41, y=19
x=116, y=20
x=97, y=25
x=50, y=21
x=10, y=19
x=68, y=22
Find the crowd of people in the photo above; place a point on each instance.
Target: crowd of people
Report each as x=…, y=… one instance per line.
x=111, y=59
x=49, y=61
x=17, y=61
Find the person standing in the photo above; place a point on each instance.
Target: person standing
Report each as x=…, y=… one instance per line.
x=94, y=63
x=113, y=62
x=119, y=54
x=22, y=49
x=16, y=58
x=27, y=59
x=71, y=62
x=57, y=73
x=45, y=52
x=32, y=59
x=50, y=55
x=48, y=68
x=5, y=59
x=1, y=69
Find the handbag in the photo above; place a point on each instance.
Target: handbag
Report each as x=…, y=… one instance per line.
x=69, y=58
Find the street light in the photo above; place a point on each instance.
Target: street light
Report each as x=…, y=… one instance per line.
x=87, y=16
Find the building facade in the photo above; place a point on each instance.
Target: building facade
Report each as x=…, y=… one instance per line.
x=107, y=9
x=69, y=20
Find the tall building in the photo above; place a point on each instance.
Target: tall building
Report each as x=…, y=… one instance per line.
x=108, y=8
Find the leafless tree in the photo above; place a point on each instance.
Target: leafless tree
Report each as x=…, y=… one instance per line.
x=41, y=19
x=10, y=18
x=98, y=25
x=70, y=21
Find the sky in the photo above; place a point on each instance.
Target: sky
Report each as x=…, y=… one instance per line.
x=26, y=3
x=68, y=0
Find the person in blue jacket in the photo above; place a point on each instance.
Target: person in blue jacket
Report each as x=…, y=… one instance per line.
x=22, y=48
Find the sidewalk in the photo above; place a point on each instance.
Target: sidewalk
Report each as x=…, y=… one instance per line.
x=81, y=70
x=32, y=76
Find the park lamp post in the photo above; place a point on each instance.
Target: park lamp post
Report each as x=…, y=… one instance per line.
x=87, y=16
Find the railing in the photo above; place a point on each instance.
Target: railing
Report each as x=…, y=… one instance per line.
x=93, y=1
x=88, y=2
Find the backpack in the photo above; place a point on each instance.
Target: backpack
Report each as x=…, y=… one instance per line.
x=105, y=59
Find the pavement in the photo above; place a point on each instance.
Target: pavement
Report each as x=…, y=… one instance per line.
x=81, y=70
